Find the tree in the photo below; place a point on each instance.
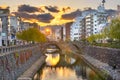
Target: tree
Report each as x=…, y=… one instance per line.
x=91, y=39
x=115, y=29
x=31, y=34
x=96, y=38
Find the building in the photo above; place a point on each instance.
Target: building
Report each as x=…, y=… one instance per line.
x=118, y=10
x=53, y=33
x=4, y=13
x=0, y=32
x=76, y=28
x=91, y=22
x=66, y=31
x=13, y=28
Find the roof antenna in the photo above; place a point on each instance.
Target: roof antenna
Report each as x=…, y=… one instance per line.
x=103, y=2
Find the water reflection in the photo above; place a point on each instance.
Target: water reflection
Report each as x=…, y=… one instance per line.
x=52, y=59
x=69, y=59
x=65, y=67
x=59, y=73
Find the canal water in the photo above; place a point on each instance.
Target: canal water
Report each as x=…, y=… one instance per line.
x=66, y=66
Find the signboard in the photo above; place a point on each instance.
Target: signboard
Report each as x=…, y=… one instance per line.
x=3, y=34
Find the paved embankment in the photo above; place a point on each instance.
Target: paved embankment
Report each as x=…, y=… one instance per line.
x=101, y=59
x=29, y=73
x=105, y=68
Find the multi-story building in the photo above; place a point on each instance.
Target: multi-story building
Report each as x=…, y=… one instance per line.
x=91, y=22
x=118, y=10
x=53, y=33
x=0, y=32
x=4, y=19
x=66, y=31
x=76, y=28
x=12, y=29
x=89, y=25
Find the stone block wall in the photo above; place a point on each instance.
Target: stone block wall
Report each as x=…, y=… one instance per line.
x=15, y=60
x=106, y=55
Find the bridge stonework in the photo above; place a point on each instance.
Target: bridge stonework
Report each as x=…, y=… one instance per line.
x=16, y=59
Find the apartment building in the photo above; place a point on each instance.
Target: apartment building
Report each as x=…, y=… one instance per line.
x=4, y=13
x=76, y=28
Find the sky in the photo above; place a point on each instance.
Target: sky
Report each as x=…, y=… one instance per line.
x=47, y=12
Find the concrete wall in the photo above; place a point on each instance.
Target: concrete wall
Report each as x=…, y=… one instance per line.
x=16, y=59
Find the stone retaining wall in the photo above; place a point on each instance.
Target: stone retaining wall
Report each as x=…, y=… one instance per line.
x=15, y=60
x=106, y=55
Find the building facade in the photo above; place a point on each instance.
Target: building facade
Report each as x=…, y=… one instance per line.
x=76, y=28
x=118, y=10
x=4, y=13
x=91, y=22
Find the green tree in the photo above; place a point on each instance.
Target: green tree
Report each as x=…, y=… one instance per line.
x=31, y=34
x=96, y=38
x=91, y=39
x=115, y=29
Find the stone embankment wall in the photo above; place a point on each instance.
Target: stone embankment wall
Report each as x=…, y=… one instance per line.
x=106, y=55
x=15, y=60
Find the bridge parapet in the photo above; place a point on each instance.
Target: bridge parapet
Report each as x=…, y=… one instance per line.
x=5, y=49
x=14, y=60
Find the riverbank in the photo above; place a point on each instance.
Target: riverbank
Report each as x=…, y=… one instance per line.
x=29, y=73
x=103, y=67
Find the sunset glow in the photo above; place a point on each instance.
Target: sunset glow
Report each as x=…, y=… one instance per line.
x=50, y=12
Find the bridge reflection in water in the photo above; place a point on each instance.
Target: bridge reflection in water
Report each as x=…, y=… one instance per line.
x=65, y=67
x=52, y=59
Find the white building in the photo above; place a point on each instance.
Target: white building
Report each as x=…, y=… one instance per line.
x=0, y=32
x=76, y=29
x=12, y=28
x=96, y=21
x=91, y=22
x=4, y=29
x=118, y=10
x=4, y=26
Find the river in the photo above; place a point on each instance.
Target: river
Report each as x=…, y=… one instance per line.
x=66, y=66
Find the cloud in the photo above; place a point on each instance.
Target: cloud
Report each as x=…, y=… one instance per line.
x=29, y=9
x=65, y=9
x=25, y=15
x=46, y=18
x=52, y=9
x=71, y=15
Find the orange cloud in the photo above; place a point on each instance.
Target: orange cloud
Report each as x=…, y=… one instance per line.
x=44, y=15
x=4, y=7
